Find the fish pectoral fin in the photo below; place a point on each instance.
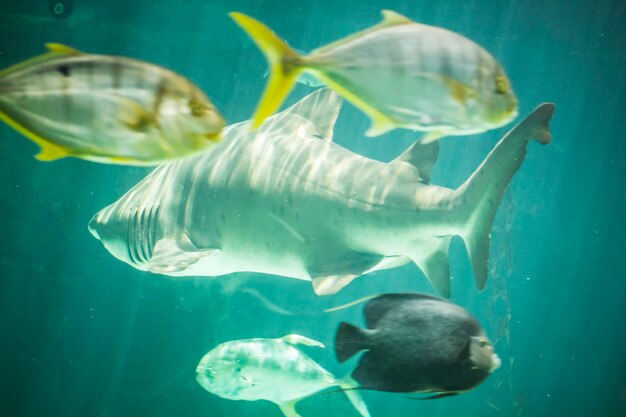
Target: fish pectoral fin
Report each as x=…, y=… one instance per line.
x=169, y=257
x=136, y=117
x=458, y=91
x=296, y=339
x=289, y=409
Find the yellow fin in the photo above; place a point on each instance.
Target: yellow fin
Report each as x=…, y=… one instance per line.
x=285, y=65
x=381, y=123
x=50, y=152
x=391, y=18
x=59, y=48
x=54, y=50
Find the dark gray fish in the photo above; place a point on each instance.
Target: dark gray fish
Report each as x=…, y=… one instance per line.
x=417, y=343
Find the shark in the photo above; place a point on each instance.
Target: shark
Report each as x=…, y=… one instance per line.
x=286, y=200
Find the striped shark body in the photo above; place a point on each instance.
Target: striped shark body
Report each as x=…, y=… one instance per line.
x=286, y=200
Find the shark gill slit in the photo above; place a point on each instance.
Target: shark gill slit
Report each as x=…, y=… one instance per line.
x=140, y=233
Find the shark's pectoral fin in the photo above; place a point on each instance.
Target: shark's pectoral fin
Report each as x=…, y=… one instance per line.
x=432, y=259
x=171, y=256
x=296, y=339
x=289, y=409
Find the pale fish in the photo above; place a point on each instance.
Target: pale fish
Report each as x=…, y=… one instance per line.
x=400, y=73
x=106, y=109
x=270, y=369
x=285, y=200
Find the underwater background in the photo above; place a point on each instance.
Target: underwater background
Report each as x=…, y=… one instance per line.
x=83, y=334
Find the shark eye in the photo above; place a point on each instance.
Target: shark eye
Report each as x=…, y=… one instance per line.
x=483, y=343
x=502, y=85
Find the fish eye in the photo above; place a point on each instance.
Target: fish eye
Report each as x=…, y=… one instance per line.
x=502, y=85
x=198, y=109
x=483, y=343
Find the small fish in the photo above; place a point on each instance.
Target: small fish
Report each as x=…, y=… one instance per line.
x=400, y=73
x=269, y=369
x=106, y=109
x=417, y=343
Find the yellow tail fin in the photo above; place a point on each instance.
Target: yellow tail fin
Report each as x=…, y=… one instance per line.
x=283, y=61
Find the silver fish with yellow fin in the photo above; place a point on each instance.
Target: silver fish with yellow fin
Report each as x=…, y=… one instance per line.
x=106, y=109
x=400, y=73
x=270, y=369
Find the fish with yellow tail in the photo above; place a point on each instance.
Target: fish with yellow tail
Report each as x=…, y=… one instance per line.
x=106, y=109
x=400, y=73
x=270, y=369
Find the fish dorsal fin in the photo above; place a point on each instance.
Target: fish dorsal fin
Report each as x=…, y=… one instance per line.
x=390, y=18
x=378, y=307
x=61, y=49
x=423, y=157
x=296, y=339
x=54, y=50
x=321, y=109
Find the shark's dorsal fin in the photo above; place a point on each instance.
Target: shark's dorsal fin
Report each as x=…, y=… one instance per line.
x=296, y=339
x=423, y=157
x=321, y=109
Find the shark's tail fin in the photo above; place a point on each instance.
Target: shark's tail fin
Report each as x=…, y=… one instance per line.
x=480, y=195
x=348, y=386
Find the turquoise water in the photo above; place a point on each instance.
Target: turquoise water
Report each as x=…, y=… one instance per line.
x=83, y=334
